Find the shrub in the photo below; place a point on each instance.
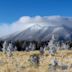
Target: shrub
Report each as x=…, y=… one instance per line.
x=34, y=59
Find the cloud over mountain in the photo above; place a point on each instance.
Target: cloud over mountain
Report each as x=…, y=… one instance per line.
x=27, y=21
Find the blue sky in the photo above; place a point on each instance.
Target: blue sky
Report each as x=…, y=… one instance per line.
x=12, y=10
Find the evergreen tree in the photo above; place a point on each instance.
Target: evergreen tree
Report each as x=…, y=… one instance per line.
x=5, y=45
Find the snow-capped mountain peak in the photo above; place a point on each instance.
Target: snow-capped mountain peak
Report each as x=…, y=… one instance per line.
x=60, y=26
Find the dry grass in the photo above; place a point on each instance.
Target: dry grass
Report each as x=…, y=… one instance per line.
x=19, y=62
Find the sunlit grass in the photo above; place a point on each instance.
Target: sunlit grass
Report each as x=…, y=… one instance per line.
x=19, y=61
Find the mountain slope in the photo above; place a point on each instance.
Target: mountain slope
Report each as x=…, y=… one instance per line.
x=40, y=33
x=60, y=26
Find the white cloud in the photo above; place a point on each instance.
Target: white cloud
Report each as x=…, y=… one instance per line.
x=27, y=21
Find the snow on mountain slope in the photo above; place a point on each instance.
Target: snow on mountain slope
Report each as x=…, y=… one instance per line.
x=61, y=27
x=40, y=34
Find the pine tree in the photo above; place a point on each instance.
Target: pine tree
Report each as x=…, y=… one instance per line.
x=10, y=49
x=5, y=45
x=52, y=46
x=15, y=48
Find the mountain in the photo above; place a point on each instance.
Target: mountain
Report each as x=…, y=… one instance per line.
x=40, y=33
x=60, y=27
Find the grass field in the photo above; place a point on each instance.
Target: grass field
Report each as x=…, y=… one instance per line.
x=19, y=62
